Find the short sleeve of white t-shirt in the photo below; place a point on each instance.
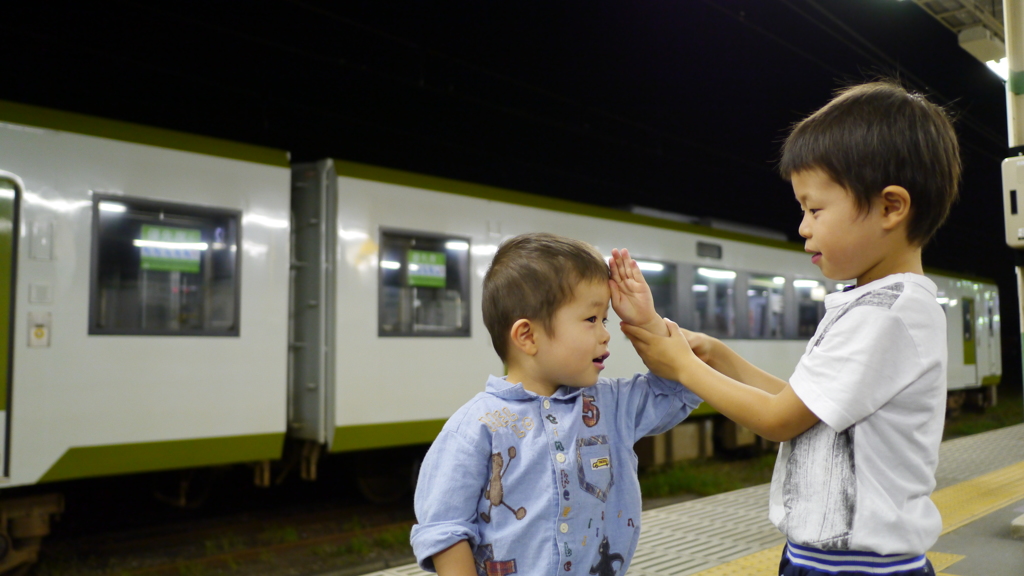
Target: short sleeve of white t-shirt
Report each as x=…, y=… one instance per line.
x=875, y=374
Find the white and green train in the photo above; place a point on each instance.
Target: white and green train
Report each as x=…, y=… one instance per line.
x=175, y=301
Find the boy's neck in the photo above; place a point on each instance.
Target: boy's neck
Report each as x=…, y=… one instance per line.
x=518, y=374
x=906, y=259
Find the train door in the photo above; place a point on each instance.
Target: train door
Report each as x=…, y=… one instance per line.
x=988, y=330
x=9, y=197
x=970, y=334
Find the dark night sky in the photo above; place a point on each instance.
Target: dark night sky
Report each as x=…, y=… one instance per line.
x=678, y=105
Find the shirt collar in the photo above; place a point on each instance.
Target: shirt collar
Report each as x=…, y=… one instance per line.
x=502, y=388
x=851, y=293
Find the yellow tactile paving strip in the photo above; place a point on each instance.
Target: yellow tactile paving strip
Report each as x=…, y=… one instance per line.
x=969, y=500
x=959, y=504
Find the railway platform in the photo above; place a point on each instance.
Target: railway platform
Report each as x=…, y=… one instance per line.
x=979, y=491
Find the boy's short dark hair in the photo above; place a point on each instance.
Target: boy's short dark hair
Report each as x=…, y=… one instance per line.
x=532, y=276
x=875, y=135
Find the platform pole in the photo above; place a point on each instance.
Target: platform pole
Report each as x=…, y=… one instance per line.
x=1013, y=32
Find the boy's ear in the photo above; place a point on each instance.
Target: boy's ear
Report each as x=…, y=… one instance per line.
x=524, y=336
x=895, y=205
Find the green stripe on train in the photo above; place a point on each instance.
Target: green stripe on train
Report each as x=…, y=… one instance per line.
x=89, y=461
x=24, y=114
x=367, y=436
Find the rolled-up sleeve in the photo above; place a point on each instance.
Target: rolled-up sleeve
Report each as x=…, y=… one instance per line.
x=453, y=474
x=655, y=404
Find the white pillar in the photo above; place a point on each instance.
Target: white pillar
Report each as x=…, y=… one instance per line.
x=1013, y=30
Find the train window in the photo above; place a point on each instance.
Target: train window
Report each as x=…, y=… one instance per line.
x=810, y=302
x=661, y=277
x=424, y=285
x=163, y=269
x=714, y=311
x=765, y=305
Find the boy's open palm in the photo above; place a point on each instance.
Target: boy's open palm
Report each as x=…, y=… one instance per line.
x=631, y=296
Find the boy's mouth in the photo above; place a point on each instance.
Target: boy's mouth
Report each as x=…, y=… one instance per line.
x=599, y=361
x=816, y=258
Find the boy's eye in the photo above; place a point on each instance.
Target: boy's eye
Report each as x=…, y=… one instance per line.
x=592, y=319
x=813, y=211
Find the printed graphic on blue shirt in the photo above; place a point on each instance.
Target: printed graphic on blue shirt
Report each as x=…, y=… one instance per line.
x=506, y=418
x=486, y=565
x=606, y=564
x=591, y=413
x=494, y=494
x=594, y=466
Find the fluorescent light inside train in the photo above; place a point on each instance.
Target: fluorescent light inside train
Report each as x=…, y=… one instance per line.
x=113, y=207
x=779, y=280
x=805, y=283
x=942, y=300
x=700, y=288
x=718, y=274
x=171, y=245
x=456, y=245
x=650, y=266
x=390, y=265
x=484, y=249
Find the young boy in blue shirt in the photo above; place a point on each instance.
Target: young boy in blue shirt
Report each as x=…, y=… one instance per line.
x=875, y=172
x=537, y=474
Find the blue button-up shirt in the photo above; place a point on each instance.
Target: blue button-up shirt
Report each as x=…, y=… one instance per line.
x=544, y=485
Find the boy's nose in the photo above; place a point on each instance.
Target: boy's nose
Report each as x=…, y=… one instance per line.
x=805, y=229
x=605, y=335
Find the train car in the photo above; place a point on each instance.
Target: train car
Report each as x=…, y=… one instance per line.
x=388, y=339
x=143, y=302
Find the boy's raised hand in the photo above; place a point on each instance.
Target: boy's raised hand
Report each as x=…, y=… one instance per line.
x=631, y=296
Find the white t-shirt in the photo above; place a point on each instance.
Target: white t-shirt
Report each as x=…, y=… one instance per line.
x=875, y=374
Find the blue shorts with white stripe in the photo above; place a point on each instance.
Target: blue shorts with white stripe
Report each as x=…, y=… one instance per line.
x=800, y=560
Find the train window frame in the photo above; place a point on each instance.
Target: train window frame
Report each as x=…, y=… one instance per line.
x=162, y=207
x=465, y=287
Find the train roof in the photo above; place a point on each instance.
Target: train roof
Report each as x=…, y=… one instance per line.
x=24, y=114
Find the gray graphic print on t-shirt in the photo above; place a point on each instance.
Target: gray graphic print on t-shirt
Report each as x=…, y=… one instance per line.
x=820, y=491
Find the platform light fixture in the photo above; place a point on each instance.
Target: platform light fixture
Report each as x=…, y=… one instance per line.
x=390, y=265
x=805, y=283
x=700, y=287
x=779, y=280
x=981, y=43
x=456, y=245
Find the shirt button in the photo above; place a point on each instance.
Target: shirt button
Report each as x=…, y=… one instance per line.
x=560, y=457
x=564, y=528
x=547, y=404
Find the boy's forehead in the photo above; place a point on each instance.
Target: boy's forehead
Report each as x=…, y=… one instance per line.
x=592, y=293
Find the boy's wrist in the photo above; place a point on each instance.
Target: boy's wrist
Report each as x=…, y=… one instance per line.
x=654, y=325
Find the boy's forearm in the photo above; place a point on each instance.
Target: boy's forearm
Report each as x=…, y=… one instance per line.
x=774, y=416
x=728, y=362
x=456, y=560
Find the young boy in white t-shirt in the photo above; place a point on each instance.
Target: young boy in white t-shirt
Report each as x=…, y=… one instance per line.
x=875, y=172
